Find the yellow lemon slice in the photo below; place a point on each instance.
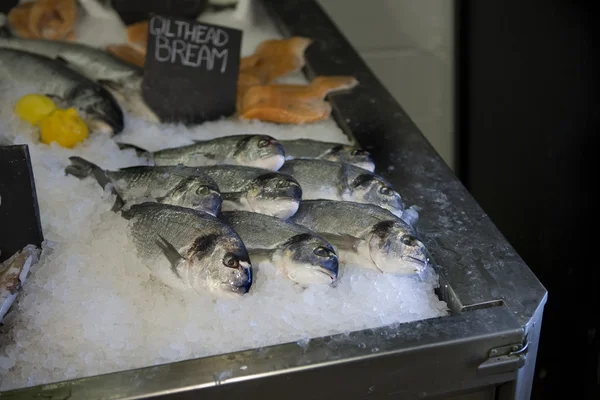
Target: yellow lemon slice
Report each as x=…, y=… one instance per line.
x=64, y=127
x=33, y=107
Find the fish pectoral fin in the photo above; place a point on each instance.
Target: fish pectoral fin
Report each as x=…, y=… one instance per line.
x=170, y=253
x=342, y=241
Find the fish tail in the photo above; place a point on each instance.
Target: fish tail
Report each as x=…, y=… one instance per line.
x=82, y=168
x=138, y=150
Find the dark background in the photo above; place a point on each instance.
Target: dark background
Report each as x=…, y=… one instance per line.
x=527, y=123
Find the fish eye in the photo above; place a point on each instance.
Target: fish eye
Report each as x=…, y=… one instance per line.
x=231, y=261
x=263, y=143
x=202, y=190
x=322, y=251
x=408, y=240
x=385, y=190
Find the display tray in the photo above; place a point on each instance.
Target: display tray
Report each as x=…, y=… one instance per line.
x=485, y=348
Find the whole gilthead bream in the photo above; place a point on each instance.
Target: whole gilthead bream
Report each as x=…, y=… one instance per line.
x=328, y=180
x=305, y=257
x=364, y=235
x=189, y=249
x=65, y=86
x=256, y=189
x=307, y=148
x=175, y=185
x=260, y=151
x=122, y=79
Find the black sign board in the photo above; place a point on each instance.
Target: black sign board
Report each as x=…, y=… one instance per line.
x=191, y=69
x=132, y=11
x=19, y=213
x=6, y=5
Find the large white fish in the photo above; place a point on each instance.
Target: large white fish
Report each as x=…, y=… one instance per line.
x=122, y=79
x=67, y=87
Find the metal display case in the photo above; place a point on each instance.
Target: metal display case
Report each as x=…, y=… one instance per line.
x=486, y=348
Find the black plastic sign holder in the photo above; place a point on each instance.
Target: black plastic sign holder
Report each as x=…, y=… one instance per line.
x=20, y=223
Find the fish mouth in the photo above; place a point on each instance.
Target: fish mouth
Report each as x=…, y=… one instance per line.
x=211, y=204
x=294, y=191
x=421, y=264
x=241, y=289
x=331, y=275
x=271, y=162
x=307, y=274
x=397, y=211
x=282, y=209
x=236, y=290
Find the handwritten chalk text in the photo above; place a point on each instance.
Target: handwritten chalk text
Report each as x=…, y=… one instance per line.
x=190, y=44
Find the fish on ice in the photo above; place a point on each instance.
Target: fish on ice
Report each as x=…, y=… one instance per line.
x=308, y=148
x=256, y=189
x=189, y=249
x=328, y=180
x=366, y=235
x=305, y=257
x=175, y=185
x=65, y=86
x=120, y=78
x=259, y=151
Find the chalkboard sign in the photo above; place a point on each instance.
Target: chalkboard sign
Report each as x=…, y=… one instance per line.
x=19, y=213
x=132, y=11
x=191, y=69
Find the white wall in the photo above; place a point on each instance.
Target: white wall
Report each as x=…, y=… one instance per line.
x=408, y=44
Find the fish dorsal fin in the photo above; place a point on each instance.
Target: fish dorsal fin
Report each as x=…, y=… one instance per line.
x=170, y=252
x=342, y=241
x=138, y=150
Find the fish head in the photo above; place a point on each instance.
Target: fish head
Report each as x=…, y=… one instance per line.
x=259, y=151
x=351, y=155
x=220, y=261
x=274, y=194
x=395, y=249
x=98, y=108
x=370, y=188
x=196, y=194
x=309, y=259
